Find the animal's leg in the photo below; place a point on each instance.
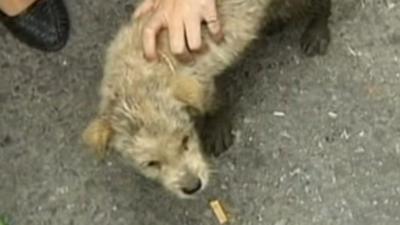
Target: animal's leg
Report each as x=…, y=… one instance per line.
x=316, y=37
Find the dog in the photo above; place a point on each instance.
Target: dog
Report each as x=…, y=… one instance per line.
x=149, y=112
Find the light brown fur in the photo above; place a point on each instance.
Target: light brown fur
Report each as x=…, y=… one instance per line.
x=146, y=109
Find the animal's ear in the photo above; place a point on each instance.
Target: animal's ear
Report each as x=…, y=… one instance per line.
x=190, y=92
x=97, y=136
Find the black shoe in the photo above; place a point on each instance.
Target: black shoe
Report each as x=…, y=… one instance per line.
x=44, y=25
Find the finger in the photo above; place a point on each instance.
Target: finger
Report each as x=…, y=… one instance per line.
x=143, y=8
x=214, y=25
x=150, y=38
x=193, y=32
x=178, y=42
x=203, y=49
x=177, y=37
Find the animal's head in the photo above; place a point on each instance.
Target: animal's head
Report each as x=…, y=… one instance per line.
x=157, y=134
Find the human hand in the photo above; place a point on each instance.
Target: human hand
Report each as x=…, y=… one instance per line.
x=183, y=20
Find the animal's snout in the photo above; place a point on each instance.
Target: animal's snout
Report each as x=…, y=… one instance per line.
x=192, y=186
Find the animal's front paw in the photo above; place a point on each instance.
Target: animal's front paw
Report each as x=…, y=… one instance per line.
x=216, y=134
x=315, y=39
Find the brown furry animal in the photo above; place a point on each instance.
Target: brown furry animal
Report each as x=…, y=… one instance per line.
x=148, y=110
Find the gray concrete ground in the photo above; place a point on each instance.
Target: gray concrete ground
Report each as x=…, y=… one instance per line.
x=318, y=139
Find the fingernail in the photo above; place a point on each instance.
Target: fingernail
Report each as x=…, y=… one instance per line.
x=204, y=48
x=136, y=14
x=219, y=37
x=185, y=58
x=148, y=58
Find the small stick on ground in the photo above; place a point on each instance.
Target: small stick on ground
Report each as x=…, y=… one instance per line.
x=219, y=211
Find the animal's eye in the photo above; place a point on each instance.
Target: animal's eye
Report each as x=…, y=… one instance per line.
x=185, y=141
x=153, y=164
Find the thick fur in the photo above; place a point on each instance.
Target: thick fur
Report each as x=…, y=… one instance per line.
x=148, y=110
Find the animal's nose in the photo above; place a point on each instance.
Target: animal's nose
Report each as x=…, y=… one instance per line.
x=192, y=188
